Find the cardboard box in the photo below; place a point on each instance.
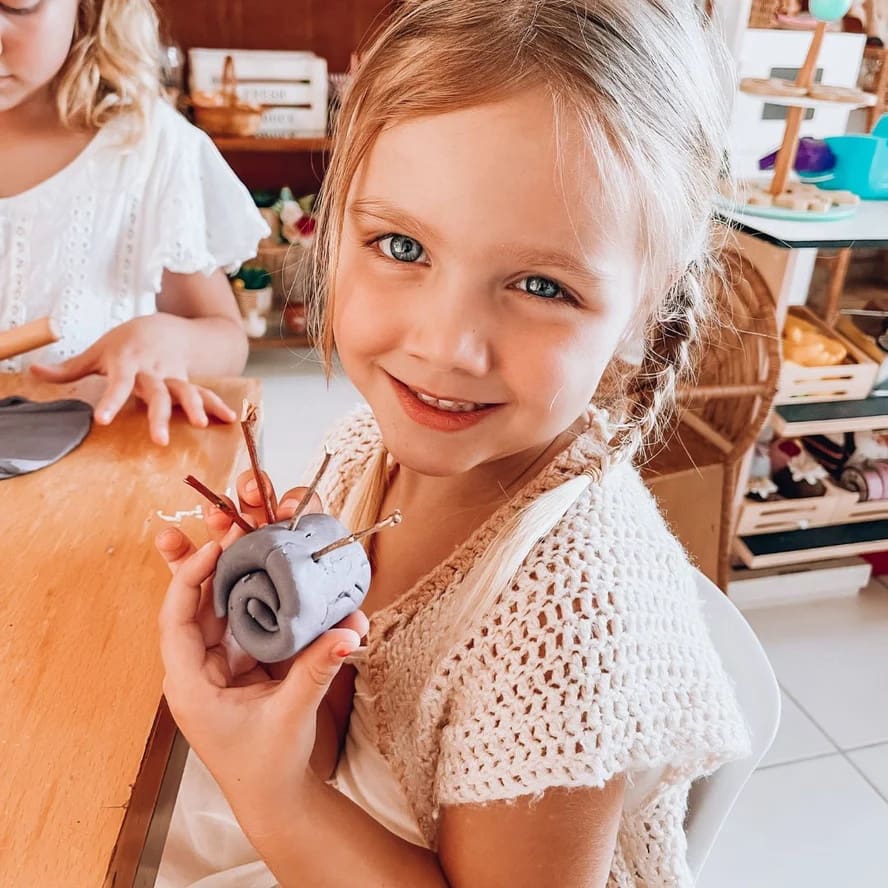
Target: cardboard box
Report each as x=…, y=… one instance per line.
x=687, y=477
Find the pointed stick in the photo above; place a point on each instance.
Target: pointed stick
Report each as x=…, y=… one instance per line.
x=219, y=503
x=392, y=520
x=249, y=418
x=311, y=491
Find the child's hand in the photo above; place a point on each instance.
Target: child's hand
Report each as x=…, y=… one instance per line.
x=145, y=357
x=252, y=725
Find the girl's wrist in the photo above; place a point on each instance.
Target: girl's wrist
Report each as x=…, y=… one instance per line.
x=272, y=816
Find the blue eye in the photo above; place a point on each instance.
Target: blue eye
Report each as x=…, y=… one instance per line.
x=542, y=287
x=401, y=248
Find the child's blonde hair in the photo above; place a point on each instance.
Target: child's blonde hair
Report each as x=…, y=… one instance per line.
x=113, y=65
x=643, y=79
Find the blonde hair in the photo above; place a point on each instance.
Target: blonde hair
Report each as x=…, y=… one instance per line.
x=644, y=79
x=113, y=66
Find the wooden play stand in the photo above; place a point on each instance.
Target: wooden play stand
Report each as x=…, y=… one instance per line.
x=796, y=109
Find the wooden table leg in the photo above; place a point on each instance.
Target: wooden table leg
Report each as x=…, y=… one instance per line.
x=836, y=286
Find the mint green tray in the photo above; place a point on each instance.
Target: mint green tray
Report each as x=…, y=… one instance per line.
x=788, y=215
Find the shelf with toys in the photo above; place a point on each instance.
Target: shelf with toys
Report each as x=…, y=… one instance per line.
x=816, y=489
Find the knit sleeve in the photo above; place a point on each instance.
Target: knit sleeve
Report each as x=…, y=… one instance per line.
x=597, y=662
x=200, y=215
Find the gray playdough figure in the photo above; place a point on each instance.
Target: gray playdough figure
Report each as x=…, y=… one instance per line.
x=36, y=434
x=277, y=597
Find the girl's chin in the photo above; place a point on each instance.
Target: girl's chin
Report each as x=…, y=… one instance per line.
x=439, y=462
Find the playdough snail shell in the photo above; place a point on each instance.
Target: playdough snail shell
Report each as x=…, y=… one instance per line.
x=278, y=598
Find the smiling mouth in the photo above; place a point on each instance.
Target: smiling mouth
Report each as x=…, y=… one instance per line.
x=449, y=405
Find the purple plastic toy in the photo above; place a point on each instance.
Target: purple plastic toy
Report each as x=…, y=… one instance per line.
x=814, y=156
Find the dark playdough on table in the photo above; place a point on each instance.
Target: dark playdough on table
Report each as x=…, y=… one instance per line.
x=278, y=599
x=35, y=434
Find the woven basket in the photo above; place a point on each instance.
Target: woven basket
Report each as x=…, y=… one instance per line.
x=289, y=266
x=737, y=381
x=225, y=115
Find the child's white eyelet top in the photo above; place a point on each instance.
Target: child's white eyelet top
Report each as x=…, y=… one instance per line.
x=89, y=245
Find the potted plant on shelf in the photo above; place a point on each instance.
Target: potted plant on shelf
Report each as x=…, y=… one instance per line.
x=253, y=292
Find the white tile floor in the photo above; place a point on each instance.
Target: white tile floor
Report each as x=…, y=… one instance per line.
x=815, y=814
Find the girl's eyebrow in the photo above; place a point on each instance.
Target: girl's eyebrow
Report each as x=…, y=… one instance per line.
x=527, y=257
x=371, y=208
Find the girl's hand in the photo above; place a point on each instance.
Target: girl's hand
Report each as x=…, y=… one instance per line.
x=252, y=725
x=145, y=357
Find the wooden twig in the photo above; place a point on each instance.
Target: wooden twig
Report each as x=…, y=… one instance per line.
x=219, y=503
x=249, y=419
x=311, y=490
x=391, y=521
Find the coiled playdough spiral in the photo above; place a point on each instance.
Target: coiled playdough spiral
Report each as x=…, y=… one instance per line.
x=277, y=597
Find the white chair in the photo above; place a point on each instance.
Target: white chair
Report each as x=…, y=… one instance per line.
x=710, y=801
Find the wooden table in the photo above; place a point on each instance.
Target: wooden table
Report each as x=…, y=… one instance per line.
x=84, y=737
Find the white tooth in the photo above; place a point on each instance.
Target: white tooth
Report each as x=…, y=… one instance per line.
x=449, y=406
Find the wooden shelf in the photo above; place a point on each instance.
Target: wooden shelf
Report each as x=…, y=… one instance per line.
x=259, y=144
x=795, y=420
x=808, y=102
x=815, y=544
x=278, y=336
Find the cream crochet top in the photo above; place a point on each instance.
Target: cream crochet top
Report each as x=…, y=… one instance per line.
x=595, y=662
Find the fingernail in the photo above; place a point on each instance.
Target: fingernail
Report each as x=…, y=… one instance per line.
x=205, y=547
x=343, y=651
x=103, y=416
x=252, y=487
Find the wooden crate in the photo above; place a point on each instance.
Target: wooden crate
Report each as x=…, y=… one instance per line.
x=853, y=510
x=795, y=514
x=850, y=381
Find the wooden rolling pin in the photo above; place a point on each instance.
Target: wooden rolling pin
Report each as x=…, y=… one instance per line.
x=34, y=334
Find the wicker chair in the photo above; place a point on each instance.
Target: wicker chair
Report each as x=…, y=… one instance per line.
x=735, y=389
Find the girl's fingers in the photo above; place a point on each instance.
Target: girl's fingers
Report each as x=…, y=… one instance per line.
x=67, y=371
x=314, y=669
x=188, y=397
x=291, y=500
x=182, y=644
x=175, y=548
x=120, y=386
x=215, y=406
x=357, y=622
x=218, y=523
x=250, y=498
x=160, y=407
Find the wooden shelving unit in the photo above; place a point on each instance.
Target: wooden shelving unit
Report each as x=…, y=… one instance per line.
x=797, y=420
x=259, y=144
x=814, y=544
x=278, y=336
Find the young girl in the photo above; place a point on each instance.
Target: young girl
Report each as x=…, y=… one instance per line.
x=515, y=235
x=117, y=217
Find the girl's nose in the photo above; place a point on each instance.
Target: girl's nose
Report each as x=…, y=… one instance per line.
x=448, y=329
